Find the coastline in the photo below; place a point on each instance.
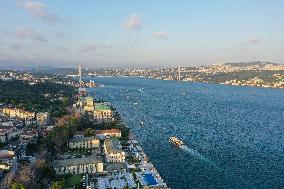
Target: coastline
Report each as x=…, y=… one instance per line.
x=145, y=165
x=183, y=115
x=209, y=82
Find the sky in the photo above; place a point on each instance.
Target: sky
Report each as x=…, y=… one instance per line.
x=140, y=33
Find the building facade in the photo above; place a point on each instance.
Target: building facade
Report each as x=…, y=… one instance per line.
x=15, y=112
x=89, y=104
x=113, y=151
x=102, y=134
x=78, y=166
x=102, y=112
x=84, y=142
x=42, y=118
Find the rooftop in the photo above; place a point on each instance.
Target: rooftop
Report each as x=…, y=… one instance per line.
x=102, y=106
x=78, y=133
x=79, y=139
x=76, y=161
x=108, y=131
x=112, y=146
x=89, y=98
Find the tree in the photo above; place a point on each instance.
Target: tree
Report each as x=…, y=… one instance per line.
x=89, y=132
x=57, y=185
x=26, y=176
x=18, y=93
x=59, y=137
x=17, y=186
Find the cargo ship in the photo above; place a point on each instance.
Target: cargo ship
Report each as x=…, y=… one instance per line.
x=176, y=141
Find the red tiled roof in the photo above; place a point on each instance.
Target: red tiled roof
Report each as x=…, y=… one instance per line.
x=108, y=131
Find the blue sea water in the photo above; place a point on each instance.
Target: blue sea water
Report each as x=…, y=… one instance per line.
x=234, y=136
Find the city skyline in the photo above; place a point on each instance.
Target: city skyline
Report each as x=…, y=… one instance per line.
x=145, y=33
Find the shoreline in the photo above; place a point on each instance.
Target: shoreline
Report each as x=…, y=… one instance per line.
x=145, y=165
x=205, y=82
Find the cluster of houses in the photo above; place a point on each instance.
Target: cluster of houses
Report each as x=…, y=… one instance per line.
x=106, y=139
x=104, y=156
x=19, y=127
x=94, y=163
x=108, y=162
x=7, y=158
x=101, y=112
x=29, y=117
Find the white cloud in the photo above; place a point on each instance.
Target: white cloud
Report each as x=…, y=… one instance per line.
x=161, y=35
x=4, y=56
x=16, y=46
x=62, y=49
x=38, y=10
x=60, y=35
x=252, y=41
x=29, y=34
x=133, y=22
x=93, y=48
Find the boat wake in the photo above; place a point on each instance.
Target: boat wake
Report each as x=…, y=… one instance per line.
x=197, y=155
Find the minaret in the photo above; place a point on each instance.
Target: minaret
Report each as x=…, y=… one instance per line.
x=80, y=73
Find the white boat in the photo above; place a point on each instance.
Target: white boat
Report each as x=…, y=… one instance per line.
x=176, y=141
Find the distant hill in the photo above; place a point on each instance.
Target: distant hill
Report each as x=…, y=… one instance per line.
x=245, y=64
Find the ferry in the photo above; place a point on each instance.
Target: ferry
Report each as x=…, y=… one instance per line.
x=176, y=141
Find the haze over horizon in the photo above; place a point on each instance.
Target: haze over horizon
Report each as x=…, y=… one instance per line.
x=139, y=34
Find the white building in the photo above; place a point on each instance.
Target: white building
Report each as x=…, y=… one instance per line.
x=6, y=159
x=102, y=112
x=15, y=112
x=113, y=151
x=42, y=118
x=4, y=166
x=78, y=166
x=102, y=134
x=85, y=104
x=89, y=104
x=84, y=142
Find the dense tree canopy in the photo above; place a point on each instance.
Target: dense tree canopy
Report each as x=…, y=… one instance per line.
x=47, y=96
x=17, y=186
x=57, y=185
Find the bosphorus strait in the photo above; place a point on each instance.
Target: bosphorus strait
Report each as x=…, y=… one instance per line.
x=233, y=135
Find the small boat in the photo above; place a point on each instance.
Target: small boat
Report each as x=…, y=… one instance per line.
x=176, y=141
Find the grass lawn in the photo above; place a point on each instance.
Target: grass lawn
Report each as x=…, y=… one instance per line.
x=73, y=180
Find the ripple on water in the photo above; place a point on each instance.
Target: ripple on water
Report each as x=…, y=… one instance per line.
x=238, y=129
